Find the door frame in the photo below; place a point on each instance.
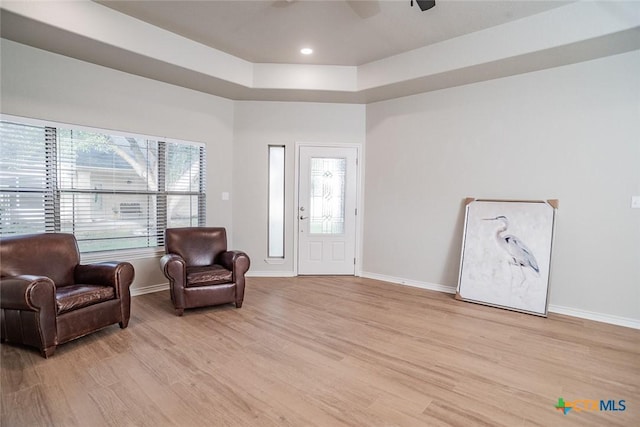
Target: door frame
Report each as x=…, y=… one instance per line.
x=359, y=199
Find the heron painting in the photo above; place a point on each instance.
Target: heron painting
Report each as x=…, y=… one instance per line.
x=516, y=251
x=506, y=254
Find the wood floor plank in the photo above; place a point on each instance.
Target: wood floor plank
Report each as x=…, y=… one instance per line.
x=327, y=351
x=33, y=411
x=17, y=371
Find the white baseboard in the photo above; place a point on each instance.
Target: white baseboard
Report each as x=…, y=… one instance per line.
x=568, y=311
x=598, y=317
x=149, y=289
x=409, y=282
x=270, y=274
x=141, y=290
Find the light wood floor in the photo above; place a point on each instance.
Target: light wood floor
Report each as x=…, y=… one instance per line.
x=331, y=351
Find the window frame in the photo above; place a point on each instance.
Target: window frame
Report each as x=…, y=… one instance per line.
x=161, y=194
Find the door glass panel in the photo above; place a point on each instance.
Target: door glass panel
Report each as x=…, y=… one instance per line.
x=327, y=195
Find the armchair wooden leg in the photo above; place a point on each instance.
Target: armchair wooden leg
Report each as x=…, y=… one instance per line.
x=179, y=311
x=46, y=352
x=238, y=304
x=124, y=324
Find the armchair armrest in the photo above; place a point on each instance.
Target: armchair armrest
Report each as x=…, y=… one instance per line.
x=236, y=261
x=29, y=312
x=174, y=267
x=27, y=292
x=110, y=273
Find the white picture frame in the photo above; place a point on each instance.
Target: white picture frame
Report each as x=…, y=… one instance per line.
x=506, y=254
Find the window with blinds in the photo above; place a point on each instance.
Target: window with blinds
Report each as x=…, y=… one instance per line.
x=111, y=191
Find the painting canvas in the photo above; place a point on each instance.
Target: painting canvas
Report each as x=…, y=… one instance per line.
x=506, y=254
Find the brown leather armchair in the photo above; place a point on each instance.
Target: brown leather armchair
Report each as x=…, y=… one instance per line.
x=200, y=269
x=48, y=298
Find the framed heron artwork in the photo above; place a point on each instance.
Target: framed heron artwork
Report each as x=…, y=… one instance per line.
x=506, y=254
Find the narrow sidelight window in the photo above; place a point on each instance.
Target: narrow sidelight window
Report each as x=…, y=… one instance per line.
x=275, y=239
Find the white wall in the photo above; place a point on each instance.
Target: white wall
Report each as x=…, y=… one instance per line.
x=571, y=133
x=48, y=86
x=259, y=124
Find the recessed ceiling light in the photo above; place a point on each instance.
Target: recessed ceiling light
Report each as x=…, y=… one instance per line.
x=306, y=51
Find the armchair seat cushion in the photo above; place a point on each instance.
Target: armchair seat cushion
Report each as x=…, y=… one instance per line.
x=208, y=275
x=72, y=297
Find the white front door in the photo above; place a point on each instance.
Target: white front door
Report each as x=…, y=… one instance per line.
x=327, y=186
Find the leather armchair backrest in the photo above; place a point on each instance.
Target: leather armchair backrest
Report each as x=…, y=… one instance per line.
x=53, y=255
x=198, y=246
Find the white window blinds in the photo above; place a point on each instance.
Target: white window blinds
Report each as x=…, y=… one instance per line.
x=111, y=191
x=26, y=176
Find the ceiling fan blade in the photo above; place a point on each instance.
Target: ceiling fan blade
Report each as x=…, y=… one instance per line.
x=364, y=9
x=426, y=4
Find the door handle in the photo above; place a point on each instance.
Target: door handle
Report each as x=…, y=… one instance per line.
x=303, y=217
